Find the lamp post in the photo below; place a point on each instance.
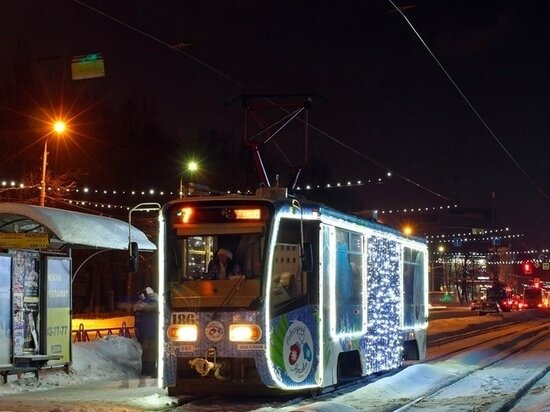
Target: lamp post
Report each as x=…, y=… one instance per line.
x=58, y=128
x=192, y=167
x=43, y=181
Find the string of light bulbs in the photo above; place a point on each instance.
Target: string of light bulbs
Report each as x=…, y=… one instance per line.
x=473, y=238
x=149, y=193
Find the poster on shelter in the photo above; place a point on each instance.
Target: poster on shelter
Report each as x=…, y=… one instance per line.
x=5, y=310
x=58, y=309
x=26, y=300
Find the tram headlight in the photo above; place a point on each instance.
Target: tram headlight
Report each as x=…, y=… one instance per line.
x=183, y=333
x=244, y=332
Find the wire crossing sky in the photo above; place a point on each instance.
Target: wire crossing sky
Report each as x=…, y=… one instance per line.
x=243, y=86
x=470, y=105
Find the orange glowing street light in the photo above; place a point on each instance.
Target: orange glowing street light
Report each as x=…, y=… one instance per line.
x=59, y=128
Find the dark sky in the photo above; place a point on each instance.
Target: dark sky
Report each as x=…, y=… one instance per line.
x=384, y=103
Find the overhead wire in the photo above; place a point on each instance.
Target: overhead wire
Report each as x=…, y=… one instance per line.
x=470, y=105
x=243, y=86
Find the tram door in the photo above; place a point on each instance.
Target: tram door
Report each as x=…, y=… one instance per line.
x=295, y=347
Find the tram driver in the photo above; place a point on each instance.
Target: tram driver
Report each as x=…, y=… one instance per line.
x=223, y=266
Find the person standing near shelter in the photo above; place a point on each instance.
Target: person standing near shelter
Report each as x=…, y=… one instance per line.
x=146, y=312
x=223, y=266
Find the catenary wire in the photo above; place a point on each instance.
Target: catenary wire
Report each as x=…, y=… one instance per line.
x=236, y=82
x=470, y=105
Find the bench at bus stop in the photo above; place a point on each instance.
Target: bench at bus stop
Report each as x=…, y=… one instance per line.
x=27, y=364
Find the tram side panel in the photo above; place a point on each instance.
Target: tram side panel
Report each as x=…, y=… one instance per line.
x=391, y=326
x=362, y=304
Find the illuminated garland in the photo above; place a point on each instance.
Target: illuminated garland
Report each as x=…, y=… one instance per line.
x=169, y=195
x=519, y=252
x=458, y=235
x=451, y=257
x=515, y=262
x=496, y=254
x=154, y=192
x=96, y=205
x=349, y=183
x=415, y=210
x=384, y=304
x=489, y=262
x=12, y=185
x=474, y=239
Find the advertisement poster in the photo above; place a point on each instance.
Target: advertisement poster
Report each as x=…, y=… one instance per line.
x=5, y=310
x=26, y=299
x=58, y=309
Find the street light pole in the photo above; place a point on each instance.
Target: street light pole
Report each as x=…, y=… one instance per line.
x=58, y=128
x=192, y=167
x=43, y=181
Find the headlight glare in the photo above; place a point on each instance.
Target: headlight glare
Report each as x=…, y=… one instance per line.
x=182, y=333
x=244, y=332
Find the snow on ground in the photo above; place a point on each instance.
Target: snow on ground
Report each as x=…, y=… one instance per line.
x=112, y=358
x=117, y=359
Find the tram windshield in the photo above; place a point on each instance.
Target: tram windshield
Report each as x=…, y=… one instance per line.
x=214, y=255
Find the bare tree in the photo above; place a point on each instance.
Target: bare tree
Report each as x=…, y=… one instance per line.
x=58, y=188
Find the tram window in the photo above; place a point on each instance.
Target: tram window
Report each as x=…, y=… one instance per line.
x=286, y=267
x=348, y=267
x=413, y=284
x=288, y=281
x=195, y=252
x=349, y=279
x=248, y=255
x=192, y=255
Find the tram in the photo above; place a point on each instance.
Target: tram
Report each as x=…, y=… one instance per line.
x=322, y=296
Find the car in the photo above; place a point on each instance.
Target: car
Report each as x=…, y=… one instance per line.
x=489, y=306
x=475, y=305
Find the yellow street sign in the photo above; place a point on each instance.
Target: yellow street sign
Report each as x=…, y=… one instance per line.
x=24, y=240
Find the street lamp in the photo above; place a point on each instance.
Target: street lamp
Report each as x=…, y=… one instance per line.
x=58, y=128
x=192, y=167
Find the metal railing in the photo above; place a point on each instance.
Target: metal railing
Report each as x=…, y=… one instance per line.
x=83, y=335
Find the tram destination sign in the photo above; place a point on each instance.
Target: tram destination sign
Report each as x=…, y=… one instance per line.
x=24, y=240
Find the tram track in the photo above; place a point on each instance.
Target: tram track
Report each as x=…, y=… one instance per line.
x=492, y=332
x=519, y=336
x=438, y=396
x=200, y=403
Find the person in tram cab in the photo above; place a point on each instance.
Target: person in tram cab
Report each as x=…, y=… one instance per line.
x=222, y=266
x=146, y=314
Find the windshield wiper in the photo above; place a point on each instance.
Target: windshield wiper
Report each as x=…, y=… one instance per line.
x=229, y=295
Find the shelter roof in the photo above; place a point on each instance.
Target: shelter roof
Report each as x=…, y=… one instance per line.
x=70, y=228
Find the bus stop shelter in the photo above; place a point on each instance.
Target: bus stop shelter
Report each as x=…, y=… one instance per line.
x=36, y=279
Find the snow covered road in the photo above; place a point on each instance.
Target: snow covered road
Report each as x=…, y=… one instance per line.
x=102, y=380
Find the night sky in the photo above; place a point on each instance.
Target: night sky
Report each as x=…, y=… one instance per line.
x=381, y=102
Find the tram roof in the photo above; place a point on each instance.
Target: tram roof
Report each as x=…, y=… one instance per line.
x=70, y=228
x=279, y=198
